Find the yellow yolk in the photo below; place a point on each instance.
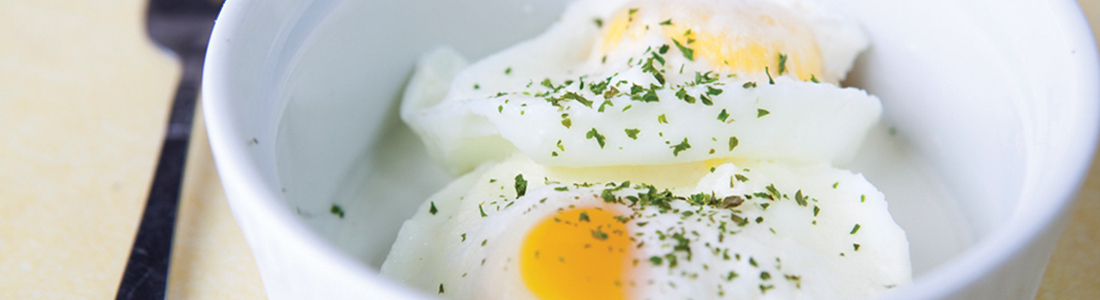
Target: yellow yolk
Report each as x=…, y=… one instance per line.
x=577, y=254
x=745, y=49
x=715, y=162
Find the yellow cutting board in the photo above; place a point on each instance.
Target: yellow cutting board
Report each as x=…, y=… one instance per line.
x=84, y=100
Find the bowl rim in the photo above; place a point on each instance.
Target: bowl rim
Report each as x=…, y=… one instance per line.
x=241, y=177
x=1001, y=245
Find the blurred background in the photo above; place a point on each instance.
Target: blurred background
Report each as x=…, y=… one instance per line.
x=84, y=101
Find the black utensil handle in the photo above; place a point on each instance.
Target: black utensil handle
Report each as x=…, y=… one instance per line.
x=146, y=274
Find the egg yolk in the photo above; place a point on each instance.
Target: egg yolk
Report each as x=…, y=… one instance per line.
x=747, y=41
x=577, y=254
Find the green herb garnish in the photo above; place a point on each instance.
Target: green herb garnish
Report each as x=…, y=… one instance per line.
x=595, y=134
x=632, y=133
x=799, y=199
x=683, y=95
x=579, y=98
x=774, y=193
x=649, y=68
x=599, y=234
x=584, y=217
x=688, y=52
x=713, y=91
x=605, y=104
x=704, y=78
x=521, y=186
x=680, y=147
x=337, y=210
x=782, y=64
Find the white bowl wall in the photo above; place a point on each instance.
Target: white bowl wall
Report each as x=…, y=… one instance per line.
x=998, y=97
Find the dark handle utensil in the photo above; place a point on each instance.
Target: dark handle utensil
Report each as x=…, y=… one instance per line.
x=183, y=27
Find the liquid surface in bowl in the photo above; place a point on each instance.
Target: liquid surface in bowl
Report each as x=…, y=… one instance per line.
x=660, y=149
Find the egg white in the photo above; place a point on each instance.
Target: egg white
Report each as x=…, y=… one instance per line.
x=445, y=248
x=537, y=102
x=467, y=115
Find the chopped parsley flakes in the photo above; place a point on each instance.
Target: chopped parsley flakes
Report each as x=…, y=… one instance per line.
x=595, y=134
x=632, y=133
x=680, y=147
x=683, y=95
x=599, y=234
x=722, y=116
x=579, y=98
x=782, y=64
x=688, y=52
x=336, y=210
x=521, y=186
x=800, y=199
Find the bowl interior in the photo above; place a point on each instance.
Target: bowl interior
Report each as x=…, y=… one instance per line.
x=953, y=155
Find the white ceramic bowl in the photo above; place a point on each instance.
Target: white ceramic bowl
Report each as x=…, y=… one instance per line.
x=997, y=98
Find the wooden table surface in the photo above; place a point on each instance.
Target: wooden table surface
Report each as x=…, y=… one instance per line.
x=84, y=98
